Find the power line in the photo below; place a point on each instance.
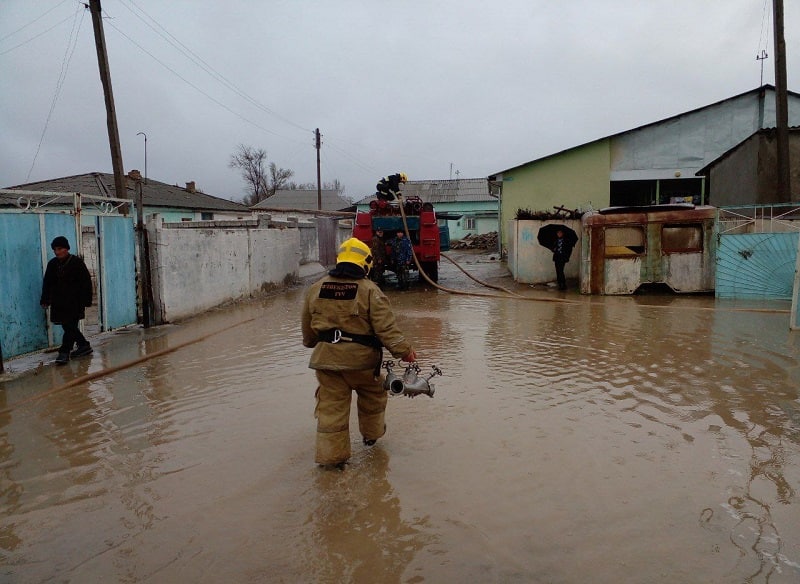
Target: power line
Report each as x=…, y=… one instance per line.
x=196, y=88
x=23, y=43
x=71, y=44
x=197, y=60
x=38, y=18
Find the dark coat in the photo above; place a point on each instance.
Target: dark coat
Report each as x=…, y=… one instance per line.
x=389, y=185
x=67, y=289
x=562, y=249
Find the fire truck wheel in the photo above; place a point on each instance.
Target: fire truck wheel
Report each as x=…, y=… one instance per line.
x=431, y=270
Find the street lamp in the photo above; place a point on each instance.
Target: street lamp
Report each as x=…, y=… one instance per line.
x=145, y=155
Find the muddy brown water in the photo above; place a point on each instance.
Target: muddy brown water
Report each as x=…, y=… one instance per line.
x=608, y=440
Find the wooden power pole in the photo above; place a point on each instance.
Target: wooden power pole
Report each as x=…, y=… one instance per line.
x=111, y=114
x=784, y=194
x=317, y=145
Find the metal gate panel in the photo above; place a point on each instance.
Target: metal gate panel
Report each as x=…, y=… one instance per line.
x=756, y=265
x=326, y=235
x=24, y=323
x=118, y=271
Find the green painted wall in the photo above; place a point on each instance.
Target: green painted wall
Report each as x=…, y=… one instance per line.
x=573, y=178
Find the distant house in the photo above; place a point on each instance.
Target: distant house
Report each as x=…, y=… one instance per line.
x=302, y=202
x=747, y=173
x=465, y=204
x=172, y=202
x=654, y=163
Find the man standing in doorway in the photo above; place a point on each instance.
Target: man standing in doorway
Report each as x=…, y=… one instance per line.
x=67, y=291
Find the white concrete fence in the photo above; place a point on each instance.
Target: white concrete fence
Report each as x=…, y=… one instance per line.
x=195, y=266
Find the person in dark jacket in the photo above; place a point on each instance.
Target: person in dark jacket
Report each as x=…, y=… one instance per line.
x=389, y=186
x=562, y=249
x=67, y=291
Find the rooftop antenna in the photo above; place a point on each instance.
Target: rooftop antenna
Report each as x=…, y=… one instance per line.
x=761, y=57
x=763, y=39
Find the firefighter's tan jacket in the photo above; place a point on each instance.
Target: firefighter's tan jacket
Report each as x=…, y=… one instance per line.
x=352, y=306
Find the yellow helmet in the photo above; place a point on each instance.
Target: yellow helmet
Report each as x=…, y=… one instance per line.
x=403, y=177
x=355, y=251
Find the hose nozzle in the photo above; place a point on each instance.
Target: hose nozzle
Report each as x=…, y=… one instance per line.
x=411, y=384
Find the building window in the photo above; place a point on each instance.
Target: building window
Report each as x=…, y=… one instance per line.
x=468, y=223
x=682, y=238
x=206, y=216
x=624, y=241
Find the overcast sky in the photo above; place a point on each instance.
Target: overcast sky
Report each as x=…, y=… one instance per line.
x=430, y=88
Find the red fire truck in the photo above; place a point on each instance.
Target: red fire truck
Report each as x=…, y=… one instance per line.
x=428, y=238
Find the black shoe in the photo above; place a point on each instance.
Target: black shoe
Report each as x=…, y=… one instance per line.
x=62, y=359
x=81, y=351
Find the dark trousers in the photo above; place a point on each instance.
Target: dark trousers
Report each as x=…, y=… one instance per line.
x=72, y=335
x=402, y=277
x=562, y=281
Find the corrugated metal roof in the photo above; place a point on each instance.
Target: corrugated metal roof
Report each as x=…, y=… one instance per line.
x=154, y=193
x=304, y=199
x=445, y=191
x=764, y=88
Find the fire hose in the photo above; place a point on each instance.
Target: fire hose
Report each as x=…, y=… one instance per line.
x=510, y=293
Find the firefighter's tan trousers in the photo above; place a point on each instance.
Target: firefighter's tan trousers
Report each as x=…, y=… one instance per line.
x=333, y=411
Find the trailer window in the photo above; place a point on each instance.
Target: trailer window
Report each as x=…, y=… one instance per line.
x=682, y=238
x=624, y=241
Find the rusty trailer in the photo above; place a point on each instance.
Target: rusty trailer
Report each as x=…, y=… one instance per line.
x=625, y=248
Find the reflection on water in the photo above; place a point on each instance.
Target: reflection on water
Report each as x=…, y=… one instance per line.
x=356, y=532
x=607, y=440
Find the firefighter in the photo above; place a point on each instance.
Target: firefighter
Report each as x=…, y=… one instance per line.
x=378, y=247
x=347, y=319
x=389, y=186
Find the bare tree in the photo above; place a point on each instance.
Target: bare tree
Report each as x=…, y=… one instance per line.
x=278, y=178
x=250, y=163
x=262, y=179
x=336, y=185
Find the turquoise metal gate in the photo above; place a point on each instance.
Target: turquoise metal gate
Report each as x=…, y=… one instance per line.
x=28, y=223
x=757, y=251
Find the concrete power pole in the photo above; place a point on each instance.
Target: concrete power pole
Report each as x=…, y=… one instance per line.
x=317, y=145
x=784, y=194
x=111, y=115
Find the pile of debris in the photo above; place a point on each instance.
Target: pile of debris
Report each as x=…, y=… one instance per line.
x=483, y=241
x=560, y=212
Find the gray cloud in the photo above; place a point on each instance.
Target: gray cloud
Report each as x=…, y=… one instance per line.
x=413, y=86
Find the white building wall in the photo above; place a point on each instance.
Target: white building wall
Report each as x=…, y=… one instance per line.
x=195, y=268
x=529, y=261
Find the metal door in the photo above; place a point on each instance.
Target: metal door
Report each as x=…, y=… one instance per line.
x=117, y=266
x=326, y=237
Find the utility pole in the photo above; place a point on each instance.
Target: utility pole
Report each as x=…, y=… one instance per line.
x=111, y=115
x=144, y=258
x=784, y=194
x=317, y=145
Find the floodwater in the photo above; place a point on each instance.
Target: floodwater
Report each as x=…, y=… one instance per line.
x=608, y=440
